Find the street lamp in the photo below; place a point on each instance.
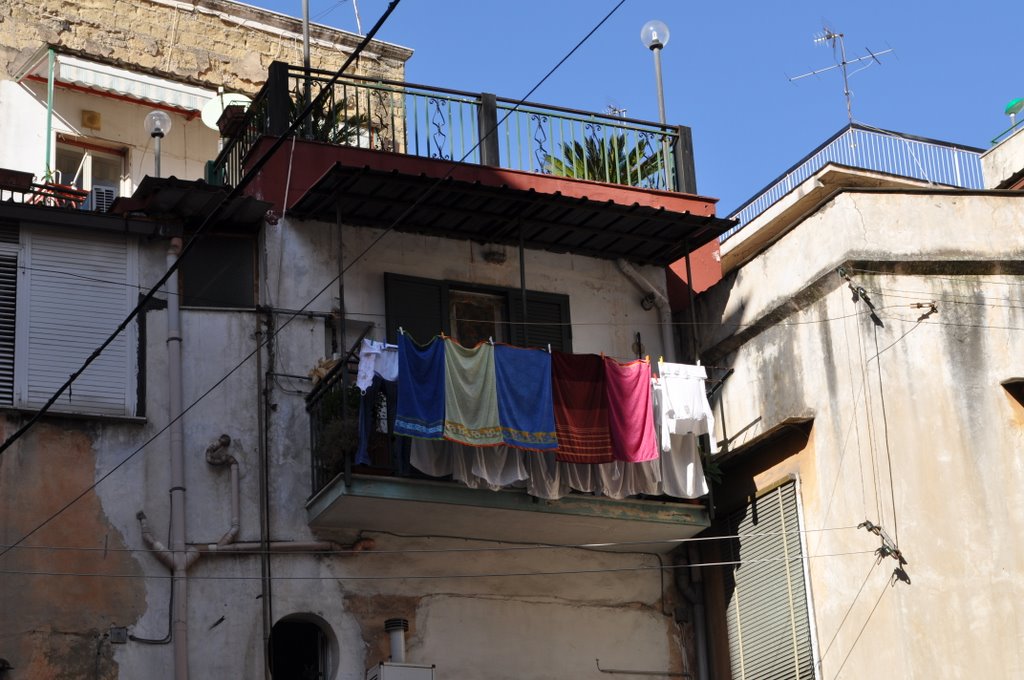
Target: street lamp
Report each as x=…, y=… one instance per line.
x=654, y=35
x=157, y=124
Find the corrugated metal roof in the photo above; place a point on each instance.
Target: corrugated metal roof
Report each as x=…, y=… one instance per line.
x=190, y=202
x=474, y=211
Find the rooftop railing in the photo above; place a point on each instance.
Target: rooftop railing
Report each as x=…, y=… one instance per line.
x=466, y=127
x=859, y=146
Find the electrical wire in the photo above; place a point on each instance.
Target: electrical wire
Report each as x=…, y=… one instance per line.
x=885, y=431
x=433, y=577
x=475, y=549
x=257, y=166
x=885, y=588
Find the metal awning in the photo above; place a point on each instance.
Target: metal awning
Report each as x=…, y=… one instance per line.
x=93, y=75
x=190, y=202
x=461, y=209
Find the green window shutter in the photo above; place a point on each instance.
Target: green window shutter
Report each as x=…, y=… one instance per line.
x=419, y=306
x=547, y=320
x=767, y=613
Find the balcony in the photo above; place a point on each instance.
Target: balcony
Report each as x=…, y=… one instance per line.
x=860, y=146
x=389, y=494
x=450, y=125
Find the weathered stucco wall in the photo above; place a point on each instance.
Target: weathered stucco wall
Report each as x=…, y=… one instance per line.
x=604, y=304
x=912, y=428
x=515, y=626
x=211, y=42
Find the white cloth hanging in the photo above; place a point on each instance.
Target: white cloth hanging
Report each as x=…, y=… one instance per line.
x=376, y=357
x=684, y=404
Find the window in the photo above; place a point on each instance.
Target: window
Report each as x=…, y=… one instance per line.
x=61, y=294
x=767, y=611
x=471, y=314
x=220, y=271
x=91, y=168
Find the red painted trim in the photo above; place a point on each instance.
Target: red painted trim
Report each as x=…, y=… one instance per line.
x=189, y=114
x=70, y=140
x=310, y=160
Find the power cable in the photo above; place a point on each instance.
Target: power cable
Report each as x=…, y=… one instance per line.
x=502, y=548
x=885, y=430
x=247, y=178
x=430, y=577
x=862, y=628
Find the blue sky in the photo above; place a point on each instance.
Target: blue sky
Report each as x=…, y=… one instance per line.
x=726, y=67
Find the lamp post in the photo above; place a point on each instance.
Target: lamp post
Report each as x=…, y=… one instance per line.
x=157, y=124
x=654, y=35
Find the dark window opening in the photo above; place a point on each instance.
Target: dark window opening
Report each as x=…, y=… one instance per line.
x=472, y=314
x=1015, y=388
x=298, y=651
x=220, y=271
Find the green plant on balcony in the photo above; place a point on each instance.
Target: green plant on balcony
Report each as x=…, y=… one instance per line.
x=607, y=159
x=330, y=121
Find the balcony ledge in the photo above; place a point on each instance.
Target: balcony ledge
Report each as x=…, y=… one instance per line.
x=420, y=507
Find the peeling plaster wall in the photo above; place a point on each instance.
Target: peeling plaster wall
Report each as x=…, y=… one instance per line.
x=55, y=626
x=938, y=460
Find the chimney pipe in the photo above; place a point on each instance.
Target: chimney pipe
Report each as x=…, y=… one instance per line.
x=395, y=629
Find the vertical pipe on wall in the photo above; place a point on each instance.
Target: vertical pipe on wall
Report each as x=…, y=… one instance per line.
x=522, y=285
x=694, y=338
x=179, y=584
x=340, y=329
x=265, y=590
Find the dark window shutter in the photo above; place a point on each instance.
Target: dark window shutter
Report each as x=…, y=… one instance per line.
x=8, y=304
x=419, y=306
x=767, y=613
x=546, y=322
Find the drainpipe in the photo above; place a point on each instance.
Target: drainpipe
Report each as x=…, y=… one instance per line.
x=255, y=547
x=217, y=454
x=660, y=301
x=183, y=558
x=690, y=584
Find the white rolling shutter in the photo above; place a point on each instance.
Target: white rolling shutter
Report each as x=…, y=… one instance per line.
x=767, y=613
x=75, y=289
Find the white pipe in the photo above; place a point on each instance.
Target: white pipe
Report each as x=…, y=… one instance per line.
x=216, y=454
x=255, y=547
x=661, y=302
x=395, y=629
x=158, y=548
x=179, y=549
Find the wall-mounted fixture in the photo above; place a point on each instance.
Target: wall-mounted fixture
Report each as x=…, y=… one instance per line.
x=91, y=119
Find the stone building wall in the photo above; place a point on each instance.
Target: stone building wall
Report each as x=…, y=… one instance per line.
x=207, y=42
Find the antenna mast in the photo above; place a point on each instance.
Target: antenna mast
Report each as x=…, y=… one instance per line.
x=836, y=39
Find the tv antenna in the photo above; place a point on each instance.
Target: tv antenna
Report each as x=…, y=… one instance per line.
x=838, y=43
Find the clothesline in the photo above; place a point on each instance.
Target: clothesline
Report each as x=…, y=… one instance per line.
x=505, y=405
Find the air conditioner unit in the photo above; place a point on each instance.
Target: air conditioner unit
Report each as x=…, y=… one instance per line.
x=399, y=671
x=101, y=197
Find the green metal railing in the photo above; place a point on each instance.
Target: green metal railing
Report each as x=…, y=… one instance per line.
x=458, y=126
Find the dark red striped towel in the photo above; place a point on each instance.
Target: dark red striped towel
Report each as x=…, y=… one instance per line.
x=581, y=408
